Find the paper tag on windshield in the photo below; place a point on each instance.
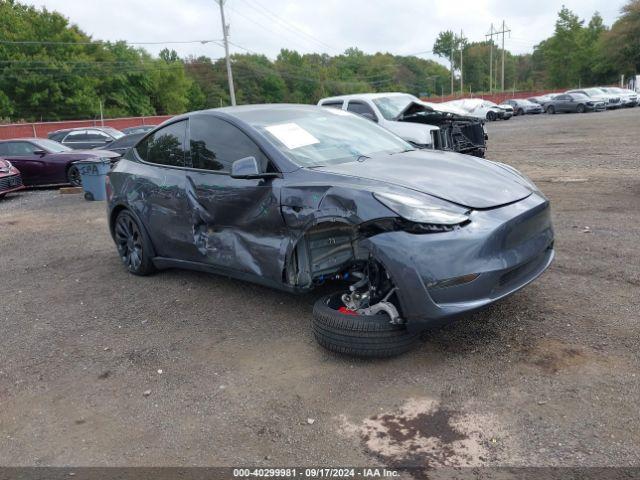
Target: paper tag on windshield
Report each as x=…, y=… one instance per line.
x=292, y=135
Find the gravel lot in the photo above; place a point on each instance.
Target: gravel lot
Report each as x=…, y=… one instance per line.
x=102, y=368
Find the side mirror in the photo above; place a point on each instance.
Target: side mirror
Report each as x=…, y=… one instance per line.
x=108, y=140
x=248, y=168
x=42, y=153
x=369, y=116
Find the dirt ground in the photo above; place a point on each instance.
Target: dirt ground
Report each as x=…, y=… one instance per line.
x=100, y=368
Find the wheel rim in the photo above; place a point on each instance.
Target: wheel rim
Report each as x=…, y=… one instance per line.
x=129, y=242
x=74, y=176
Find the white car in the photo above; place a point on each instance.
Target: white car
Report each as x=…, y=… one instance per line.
x=628, y=97
x=507, y=111
x=611, y=101
x=425, y=125
x=479, y=108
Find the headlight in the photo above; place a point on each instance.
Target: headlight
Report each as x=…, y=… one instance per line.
x=423, y=209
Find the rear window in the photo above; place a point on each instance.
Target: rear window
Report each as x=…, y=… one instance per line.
x=332, y=104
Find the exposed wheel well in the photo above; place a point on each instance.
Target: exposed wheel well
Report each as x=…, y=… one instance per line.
x=114, y=215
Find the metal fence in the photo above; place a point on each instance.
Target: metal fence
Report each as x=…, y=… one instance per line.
x=41, y=129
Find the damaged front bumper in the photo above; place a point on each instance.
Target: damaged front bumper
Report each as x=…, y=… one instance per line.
x=444, y=275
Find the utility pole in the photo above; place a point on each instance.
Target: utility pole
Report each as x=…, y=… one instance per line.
x=490, y=35
x=451, y=61
x=461, y=49
x=225, y=34
x=101, y=115
x=504, y=30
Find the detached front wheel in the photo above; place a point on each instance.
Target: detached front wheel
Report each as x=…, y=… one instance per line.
x=347, y=332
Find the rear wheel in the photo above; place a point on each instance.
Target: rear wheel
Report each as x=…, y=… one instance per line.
x=491, y=116
x=73, y=176
x=580, y=108
x=347, y=332
x=134, y=246
x=551, y=109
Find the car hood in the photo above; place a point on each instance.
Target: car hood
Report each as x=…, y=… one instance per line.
x=462, y=179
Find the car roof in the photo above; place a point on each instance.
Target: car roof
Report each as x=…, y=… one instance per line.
x=366, y=96
x=24, y=139
x=83, y=128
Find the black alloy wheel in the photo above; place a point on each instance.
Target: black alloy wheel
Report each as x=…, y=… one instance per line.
x=133, y=245
x=73, y=176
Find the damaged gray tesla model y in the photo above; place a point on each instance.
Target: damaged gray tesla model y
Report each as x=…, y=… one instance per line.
x=295, y=196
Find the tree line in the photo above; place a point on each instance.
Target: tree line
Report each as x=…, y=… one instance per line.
x=52, y=70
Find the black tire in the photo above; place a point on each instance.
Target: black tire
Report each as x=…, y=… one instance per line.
x=519, y=112
x=88, y=196
x=73, y=176
x=580, y=108
x=365, y=336
x=551, y=110
x=133, y=244
x=491, y=116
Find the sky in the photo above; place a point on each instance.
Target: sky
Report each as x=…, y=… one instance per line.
x=403, y=27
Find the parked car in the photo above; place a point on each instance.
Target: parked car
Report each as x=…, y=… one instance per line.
x=423, y=125
x=45, y=162
x=10, y=179
x=629, y=98
x=524, y=107
x=597, y=95
x=296, y=196
x=86, y=137
x=574, y=102
x=121, y=145
x=542, y=100
x=479, y=108
x=507, y=111
x=138, y=129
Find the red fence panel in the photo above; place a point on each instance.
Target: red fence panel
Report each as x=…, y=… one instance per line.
x=41, y=129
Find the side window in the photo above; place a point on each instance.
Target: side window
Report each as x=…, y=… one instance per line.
x=333, y=104
x=166, y=146
x=77, y=136
x=4, y=149
x=96, y=136
x=363, y=109
x=20, y=148
x=216, y=144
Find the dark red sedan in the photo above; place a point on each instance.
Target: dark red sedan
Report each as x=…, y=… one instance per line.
x=45, y=162
x=10, y=180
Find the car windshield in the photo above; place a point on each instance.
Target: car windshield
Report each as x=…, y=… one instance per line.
x=51, y=145
x=593, y=91
x=390, y=107
x=322, y=136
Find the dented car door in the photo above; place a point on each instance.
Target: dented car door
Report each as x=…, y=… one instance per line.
x=235, y=223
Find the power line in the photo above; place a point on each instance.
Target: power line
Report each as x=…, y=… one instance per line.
x=103, y=42
x=290, y=26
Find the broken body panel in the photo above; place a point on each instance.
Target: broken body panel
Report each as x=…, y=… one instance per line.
x=456, y=133
x=307, y=226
